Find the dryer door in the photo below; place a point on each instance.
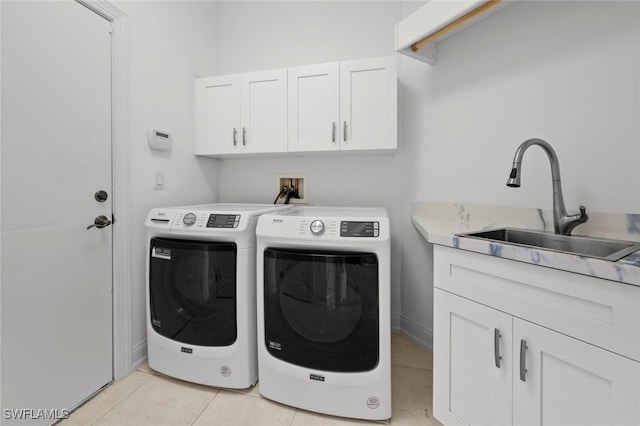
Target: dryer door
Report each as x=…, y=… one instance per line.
x=192, y=291
x=321, y=309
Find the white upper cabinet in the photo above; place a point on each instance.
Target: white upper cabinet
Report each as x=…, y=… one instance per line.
x=368, y=104
x=314, y=107
x=241, y=113
x=347, y=106
x=336, y=106
x=264, y=111
x=217, y=115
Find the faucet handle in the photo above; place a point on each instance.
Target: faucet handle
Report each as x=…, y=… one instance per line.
x=583, y=214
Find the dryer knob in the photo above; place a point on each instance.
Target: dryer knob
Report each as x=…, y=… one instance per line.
x=317, y=227
x=189, y=219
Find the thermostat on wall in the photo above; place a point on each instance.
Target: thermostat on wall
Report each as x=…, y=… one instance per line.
x=159, y=140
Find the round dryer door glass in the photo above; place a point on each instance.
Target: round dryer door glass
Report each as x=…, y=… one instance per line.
x=192, y=291
x=321, y=309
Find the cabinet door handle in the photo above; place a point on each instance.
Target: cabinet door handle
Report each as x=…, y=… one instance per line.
x=344, y=131
x=496, y=347
x=333, y=132
x=523, y=360
x=235, y=134
x=244, y=136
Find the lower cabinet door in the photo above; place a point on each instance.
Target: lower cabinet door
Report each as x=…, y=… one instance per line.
x=472, y=362
x=559, y=380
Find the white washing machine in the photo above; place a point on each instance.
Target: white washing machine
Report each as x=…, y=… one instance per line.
x=201, y=316
x=324, y=322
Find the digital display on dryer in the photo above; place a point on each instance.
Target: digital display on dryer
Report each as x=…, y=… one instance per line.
x=359, y=229
x=223, y=221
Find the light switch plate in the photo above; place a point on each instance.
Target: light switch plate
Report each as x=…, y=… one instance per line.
x=158, y=180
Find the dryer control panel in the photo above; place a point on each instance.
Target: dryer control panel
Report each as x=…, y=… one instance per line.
x=223, y=221
x=359, y=229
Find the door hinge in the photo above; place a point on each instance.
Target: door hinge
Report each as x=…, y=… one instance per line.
x=113, y=218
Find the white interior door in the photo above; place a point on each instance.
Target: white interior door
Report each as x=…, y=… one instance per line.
x=56, y=154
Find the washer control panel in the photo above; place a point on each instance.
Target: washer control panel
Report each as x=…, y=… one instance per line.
x=189, y=219
x=317, y=227
x=223, y=221
x=359, y=229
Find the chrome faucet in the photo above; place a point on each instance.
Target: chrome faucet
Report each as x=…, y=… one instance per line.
x=562, y=222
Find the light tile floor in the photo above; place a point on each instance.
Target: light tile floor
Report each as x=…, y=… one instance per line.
x=146, y=397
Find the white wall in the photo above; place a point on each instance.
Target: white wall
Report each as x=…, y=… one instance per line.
x=264, y=35
x=566, y=72
x=170, y=43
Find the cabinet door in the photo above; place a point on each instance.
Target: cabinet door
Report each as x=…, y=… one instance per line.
x=472, y=362
x=569, y=382
x=264, y=111
x=313, y=107
x=217, y=115
x=368, y=104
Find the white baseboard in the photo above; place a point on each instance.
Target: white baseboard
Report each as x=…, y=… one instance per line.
x=417, y=332
x=139, y=354
x=395, y=323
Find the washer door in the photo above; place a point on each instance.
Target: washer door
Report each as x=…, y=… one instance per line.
x=321, y=309
x=192, y=291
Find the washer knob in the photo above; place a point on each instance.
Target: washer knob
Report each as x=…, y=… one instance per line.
x=317, y=227
x=189, y=219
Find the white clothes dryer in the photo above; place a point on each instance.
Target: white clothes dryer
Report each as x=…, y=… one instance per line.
x=200, y=292
x=324, y=322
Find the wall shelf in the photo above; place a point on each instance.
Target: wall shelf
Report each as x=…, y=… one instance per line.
x=419, y=33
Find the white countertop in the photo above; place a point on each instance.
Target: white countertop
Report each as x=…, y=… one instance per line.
x=440, y=222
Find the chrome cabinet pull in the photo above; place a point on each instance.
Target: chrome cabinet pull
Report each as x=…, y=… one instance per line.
x=244, y=136
x=333, y=132
x=344, y=131
x=235, y=133
x=523, y=360
x=496, y=347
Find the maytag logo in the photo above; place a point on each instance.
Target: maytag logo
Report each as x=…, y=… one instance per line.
x=316, y=377
x=278, y=220
x=186, y=350
x=275, y=345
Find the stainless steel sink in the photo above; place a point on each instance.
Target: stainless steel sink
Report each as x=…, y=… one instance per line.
x=600, y=248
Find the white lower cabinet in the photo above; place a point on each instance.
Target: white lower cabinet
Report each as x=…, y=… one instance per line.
x=559, y=380
x=493, y=367
x=471, y=386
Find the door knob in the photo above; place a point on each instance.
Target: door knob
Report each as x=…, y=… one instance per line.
x=101, y=196
x=100, y=222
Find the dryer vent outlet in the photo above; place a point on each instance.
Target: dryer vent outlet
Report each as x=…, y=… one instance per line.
x=297, y=182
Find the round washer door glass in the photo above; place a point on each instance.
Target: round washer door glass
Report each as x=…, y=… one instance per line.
x=321, y=309
x=192, y=291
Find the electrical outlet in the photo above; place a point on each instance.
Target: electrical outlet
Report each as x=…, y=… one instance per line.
x=299, y=184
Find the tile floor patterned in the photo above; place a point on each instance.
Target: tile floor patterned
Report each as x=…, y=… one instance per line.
x=146, y=397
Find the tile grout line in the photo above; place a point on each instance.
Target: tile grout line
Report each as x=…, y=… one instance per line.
x=293, y=418
x=124, y=398
x=205, y=407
